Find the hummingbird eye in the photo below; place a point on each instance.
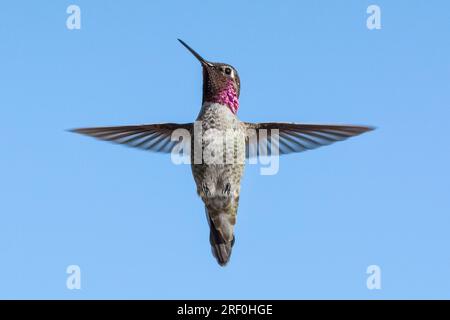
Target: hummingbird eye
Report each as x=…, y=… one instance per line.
x=227, y=71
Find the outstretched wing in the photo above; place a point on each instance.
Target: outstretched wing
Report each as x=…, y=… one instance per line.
x=293, y=137
x=152, y=137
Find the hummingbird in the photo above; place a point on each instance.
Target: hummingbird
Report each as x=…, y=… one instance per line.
x=218, y=183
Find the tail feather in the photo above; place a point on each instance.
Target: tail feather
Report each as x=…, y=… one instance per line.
x=220, y=248
x=221, y=236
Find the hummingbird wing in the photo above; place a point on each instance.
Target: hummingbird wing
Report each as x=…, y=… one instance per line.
x=295, y=137
x=153, y=137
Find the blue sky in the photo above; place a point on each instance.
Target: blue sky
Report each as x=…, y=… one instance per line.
x=132, y=220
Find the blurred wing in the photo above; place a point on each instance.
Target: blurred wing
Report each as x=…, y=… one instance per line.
x=295, y=137
x=152, y=137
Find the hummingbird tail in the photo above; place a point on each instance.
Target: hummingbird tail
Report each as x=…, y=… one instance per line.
x=220, y=249
x=221, y=235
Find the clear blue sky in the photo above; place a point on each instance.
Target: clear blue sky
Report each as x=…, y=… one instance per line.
x=132, y=220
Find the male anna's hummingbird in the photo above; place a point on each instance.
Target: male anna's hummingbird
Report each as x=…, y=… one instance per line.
x=218, y=182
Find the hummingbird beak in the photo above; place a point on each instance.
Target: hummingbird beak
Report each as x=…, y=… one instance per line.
x=199, y=57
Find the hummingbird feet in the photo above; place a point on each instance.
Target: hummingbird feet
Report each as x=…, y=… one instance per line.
x=227, y=189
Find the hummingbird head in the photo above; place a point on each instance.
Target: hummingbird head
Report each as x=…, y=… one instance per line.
x=221, y=83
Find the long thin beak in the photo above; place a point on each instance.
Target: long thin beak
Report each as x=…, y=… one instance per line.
x=199, y=57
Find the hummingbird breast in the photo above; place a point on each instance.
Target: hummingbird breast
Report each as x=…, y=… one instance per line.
x=222, y=142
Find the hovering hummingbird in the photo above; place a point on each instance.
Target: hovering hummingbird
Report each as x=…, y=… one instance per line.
x=218, y=183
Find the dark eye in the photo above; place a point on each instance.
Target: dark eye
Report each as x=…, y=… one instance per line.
x=228, y=71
